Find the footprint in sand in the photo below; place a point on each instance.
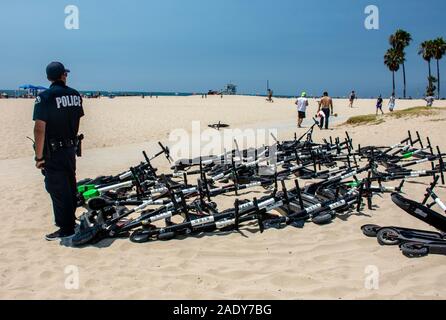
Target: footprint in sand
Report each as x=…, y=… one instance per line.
x=47, y=275
x=29, y=231
x=91, y=283
x=24, y=268
x=15, y=244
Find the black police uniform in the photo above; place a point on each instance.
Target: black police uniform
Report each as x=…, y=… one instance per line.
x=61, y=108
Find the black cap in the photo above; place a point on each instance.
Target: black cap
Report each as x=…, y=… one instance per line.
x=55, y=70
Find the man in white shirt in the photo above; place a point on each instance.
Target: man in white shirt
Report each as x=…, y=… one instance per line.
x=302, y=104
x=429, y=100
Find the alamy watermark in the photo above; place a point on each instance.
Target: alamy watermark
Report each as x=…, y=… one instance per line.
x=371, y=281
x=72, y=277
x=72, y=17
x=371, y=22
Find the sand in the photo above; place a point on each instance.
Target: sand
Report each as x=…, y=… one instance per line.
x=329, y=262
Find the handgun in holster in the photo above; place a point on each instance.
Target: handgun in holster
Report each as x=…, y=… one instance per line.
x=79, y=139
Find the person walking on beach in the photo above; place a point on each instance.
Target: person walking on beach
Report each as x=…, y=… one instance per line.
x=379, y=104
x=57, y=113
x=352, y=98
x=270, y=96
x=326, y=106
x=392, y=102
x=429, y=100
x=302, y=104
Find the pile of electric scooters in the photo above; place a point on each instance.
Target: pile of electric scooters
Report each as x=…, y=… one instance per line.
x=145, y=205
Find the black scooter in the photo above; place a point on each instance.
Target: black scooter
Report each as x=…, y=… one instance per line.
x=414, y=243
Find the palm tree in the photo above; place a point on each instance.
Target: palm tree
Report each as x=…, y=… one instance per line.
x=427, y=52
x=393, y=59
x=439, y=51
x=400, y=40
x=430, y=90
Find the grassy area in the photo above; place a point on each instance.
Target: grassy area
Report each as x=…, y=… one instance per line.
x=372, y=119
x=415, y=112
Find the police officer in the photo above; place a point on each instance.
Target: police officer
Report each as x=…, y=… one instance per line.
x=57, y=114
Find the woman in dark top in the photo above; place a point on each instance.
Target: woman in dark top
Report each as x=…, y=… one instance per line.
x=379, y=105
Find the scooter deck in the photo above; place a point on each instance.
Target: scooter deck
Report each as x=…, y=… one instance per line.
x=420, y=212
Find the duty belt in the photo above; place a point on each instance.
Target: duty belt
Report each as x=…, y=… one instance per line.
x=56, y=144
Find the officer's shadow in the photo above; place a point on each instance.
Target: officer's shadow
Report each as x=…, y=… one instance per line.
x=103, y=243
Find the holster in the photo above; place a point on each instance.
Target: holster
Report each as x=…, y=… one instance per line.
x=79, y=139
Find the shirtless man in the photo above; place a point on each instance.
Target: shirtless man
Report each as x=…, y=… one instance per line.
x=326, y=105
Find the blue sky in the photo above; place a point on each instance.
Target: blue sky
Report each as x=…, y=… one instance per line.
x=196, y=45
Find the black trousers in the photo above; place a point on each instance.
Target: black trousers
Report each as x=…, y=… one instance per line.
x=60, y=182
x=325, y=119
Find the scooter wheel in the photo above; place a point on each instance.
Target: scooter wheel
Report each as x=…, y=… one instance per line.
x=388, y=237
x=97, y=203
x=166, y=236
x=370, y=230
x=322, y=219
x=139, y=237
x=414, y=250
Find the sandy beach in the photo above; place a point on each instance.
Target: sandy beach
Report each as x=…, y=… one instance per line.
x=327, y=262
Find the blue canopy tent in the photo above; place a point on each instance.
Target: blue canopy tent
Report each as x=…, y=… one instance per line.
x=34, y=90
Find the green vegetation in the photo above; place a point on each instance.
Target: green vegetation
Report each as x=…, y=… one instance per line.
x=414, y=112
x=369, y=119
x=399, y=41
x=393, y=59
x=439, y=52
x=372, y=119
x=429, y=50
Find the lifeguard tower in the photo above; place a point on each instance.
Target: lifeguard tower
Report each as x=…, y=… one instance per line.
x=230, y=89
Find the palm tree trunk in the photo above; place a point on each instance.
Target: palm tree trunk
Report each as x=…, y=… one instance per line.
x=430, y=70
x=430, y=78
x=404, y=79
x=438, y=77
x=393, y=79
